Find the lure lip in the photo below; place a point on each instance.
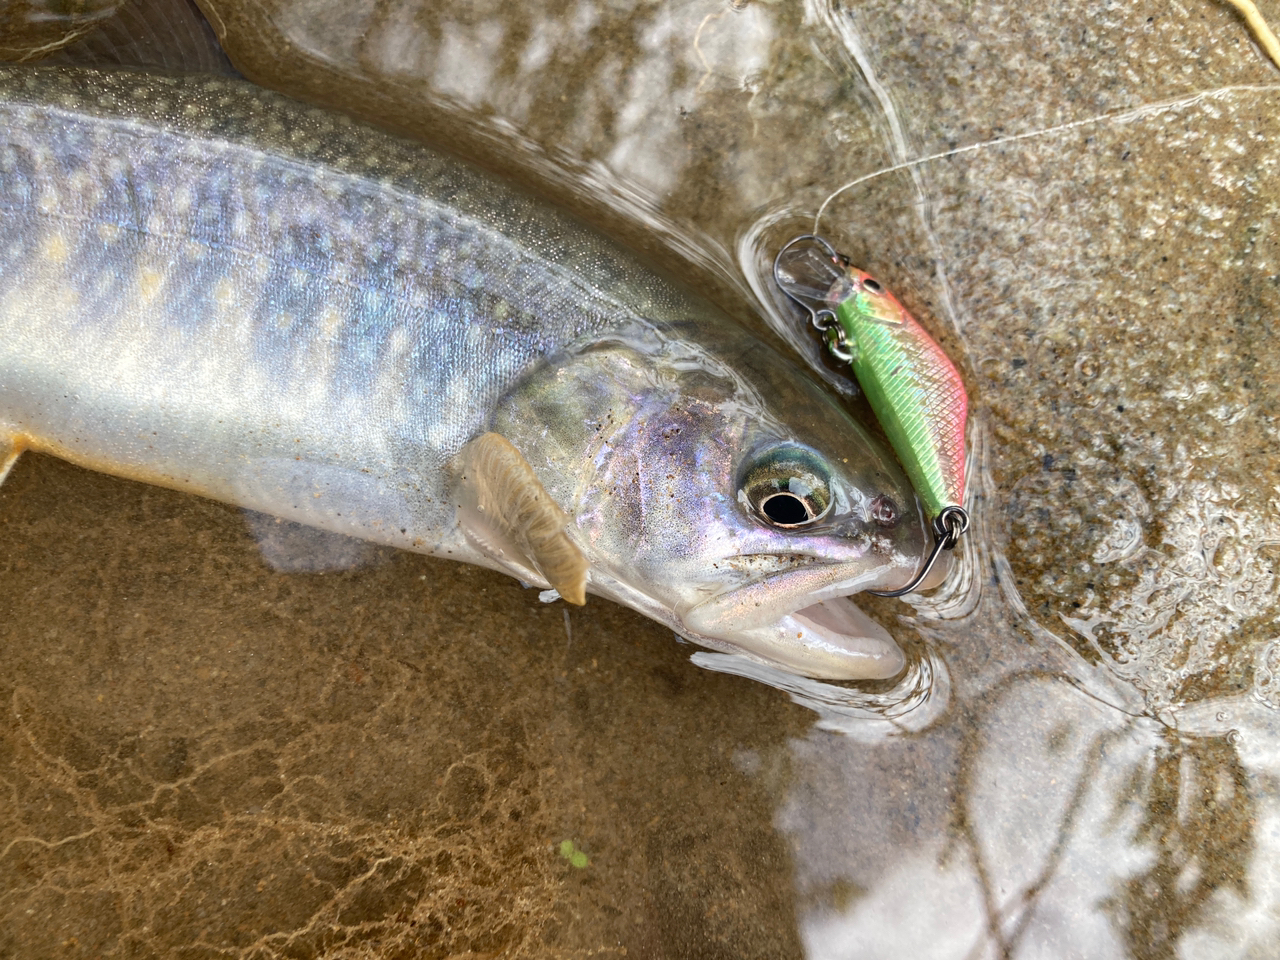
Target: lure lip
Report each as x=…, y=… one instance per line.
x=822, y=318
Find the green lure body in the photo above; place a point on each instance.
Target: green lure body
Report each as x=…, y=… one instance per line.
x=911, y=384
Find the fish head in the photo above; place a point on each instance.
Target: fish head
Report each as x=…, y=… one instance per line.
x=715, y=486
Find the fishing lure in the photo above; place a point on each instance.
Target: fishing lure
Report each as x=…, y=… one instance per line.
x=911, y=384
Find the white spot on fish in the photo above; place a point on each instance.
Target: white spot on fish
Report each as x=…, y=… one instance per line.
x=149, y=283
x=55, y=248
x=66, y=299
x=108, y=232
x=399, y=343
x=459, y=392
x=331, y=322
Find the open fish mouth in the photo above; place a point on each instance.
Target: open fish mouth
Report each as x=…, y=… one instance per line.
x=817, y=632
x=834, y=640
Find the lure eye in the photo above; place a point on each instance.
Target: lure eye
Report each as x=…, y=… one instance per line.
x=884, y=511
x=787, y=487
x=872, y=285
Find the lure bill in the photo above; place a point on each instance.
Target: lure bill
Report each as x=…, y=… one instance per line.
x=912, y=386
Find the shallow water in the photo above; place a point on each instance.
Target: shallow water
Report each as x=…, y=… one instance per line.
x=204, y=757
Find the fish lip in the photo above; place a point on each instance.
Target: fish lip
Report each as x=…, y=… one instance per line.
x=804, y=619
x=827, y=639
x=821, y=580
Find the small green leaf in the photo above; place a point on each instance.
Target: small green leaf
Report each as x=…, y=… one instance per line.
x=576, y=857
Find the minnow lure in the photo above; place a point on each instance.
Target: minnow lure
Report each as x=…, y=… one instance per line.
x=911, y=384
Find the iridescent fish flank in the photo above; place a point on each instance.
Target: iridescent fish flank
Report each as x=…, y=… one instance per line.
x=909, y=381
x=210, y=287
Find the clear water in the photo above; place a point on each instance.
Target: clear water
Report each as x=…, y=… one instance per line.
x=204, y=757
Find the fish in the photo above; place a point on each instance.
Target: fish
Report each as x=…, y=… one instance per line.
x=213, y=288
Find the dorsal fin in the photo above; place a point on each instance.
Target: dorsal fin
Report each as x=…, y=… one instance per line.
x=504, y=509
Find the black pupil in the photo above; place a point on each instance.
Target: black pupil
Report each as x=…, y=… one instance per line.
x=785, y=508
x=871, y=285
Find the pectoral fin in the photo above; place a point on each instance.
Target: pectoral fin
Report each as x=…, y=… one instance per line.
x=505, y=510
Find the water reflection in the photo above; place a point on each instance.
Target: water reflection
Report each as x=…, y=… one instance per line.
x=1082, y=760
x=1074, y=832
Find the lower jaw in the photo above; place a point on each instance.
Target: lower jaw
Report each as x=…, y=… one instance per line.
x=831, y=640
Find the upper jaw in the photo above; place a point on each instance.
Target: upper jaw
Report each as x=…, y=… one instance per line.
x=765, y=599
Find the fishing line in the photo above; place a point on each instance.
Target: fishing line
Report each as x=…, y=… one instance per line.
x=1119, y=116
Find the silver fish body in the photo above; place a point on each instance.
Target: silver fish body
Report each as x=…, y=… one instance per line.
x=210, y=287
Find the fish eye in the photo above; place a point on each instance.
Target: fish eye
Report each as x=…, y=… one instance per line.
x=787, y=486
x=873, y=285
